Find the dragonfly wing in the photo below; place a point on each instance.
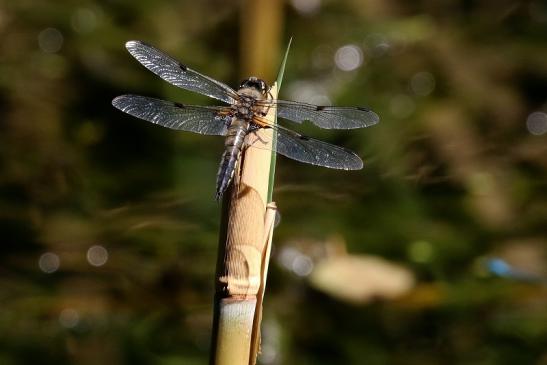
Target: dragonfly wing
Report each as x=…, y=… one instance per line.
x=178, y=74
x=328, y=117
x=308, y=150
x=197, y=119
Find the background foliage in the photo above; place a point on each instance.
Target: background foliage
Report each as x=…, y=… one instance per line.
x=109, y=225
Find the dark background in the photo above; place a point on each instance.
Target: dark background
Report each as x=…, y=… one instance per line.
x=434, y=253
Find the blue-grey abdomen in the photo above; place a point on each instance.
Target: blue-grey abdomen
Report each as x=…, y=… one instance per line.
x=230, y=158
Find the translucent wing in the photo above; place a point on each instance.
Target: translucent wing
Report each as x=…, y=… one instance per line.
x=197, y=119
x=328, y=117
x=308, y=150
x=178, y=74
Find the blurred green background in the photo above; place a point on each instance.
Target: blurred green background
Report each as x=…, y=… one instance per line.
x=434, y=253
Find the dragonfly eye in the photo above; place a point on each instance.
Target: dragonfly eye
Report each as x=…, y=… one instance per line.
x=255, y=83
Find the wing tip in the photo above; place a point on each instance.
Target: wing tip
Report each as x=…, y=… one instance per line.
x=358, y=164
x=132, y=44
x=355, y=162
x=375, y=118
x=118, y=101
x=355, y=165
x=115, y=102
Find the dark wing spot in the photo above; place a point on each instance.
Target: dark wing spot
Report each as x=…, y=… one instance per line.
x=320, y=107
x=363, y=109
x=182, y=67
x=304, y=138
x=179, y=105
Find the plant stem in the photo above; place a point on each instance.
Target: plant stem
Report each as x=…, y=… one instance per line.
x=244, y=254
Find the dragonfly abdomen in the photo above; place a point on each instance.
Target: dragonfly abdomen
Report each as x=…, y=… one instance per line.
x=232, y=153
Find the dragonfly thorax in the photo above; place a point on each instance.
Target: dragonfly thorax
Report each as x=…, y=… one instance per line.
x=245, y=107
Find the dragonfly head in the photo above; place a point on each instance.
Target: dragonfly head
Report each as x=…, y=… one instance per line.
x=256, y=84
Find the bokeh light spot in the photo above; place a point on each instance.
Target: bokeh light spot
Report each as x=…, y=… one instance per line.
x=294, y=260
x=348, y=58
x=50, y=40
x=49, y=262
x=422, y=83
x=537, y=123
x=268, y=354
x=306, y=7
x=302, y=265
x=286, y=256
x=420, y=251
x=97, y=255
x=69, y=318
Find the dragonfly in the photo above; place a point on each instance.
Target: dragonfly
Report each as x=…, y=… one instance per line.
x=244, y=114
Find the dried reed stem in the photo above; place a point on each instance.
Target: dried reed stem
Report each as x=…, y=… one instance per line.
x=244, y=243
